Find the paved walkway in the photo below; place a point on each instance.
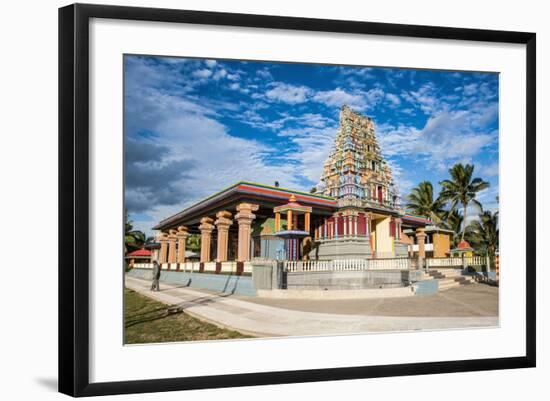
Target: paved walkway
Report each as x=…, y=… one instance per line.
x=464, y=301
x=260, y=319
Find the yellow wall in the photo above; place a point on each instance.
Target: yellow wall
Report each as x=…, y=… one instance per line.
x=384, y=243
x=442, y=245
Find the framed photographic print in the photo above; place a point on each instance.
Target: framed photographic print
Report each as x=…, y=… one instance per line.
x=251, y=199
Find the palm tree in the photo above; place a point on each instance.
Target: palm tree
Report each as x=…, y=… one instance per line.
x=462, y=189
x=133, y=239
x=483, y=233
x=422, y=203
x=452, y=220
x=194, y=242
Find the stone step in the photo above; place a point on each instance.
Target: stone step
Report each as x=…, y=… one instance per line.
x=459, y=279
x=444, y=271
x=451, y=282
x=439, y=274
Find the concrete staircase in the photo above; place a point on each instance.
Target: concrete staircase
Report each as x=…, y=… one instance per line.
x=449, y=278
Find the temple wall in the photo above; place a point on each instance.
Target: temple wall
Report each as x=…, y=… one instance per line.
x=266, y=247
x=401, y=249
x=384, y=242
x=348, y=280
x=341, y=249
x=225, y=283
x=441, y=245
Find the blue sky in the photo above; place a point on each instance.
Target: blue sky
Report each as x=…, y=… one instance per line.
x=195, y=126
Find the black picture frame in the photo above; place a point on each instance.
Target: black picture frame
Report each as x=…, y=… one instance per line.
x=74, y=198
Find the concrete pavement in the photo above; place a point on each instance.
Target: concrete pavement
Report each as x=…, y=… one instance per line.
x=258, y=317
x=462, y=301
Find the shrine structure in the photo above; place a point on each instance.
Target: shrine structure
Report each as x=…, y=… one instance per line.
x=354, y=213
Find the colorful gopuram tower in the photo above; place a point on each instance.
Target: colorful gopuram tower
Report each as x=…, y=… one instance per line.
x=355, y=168
x=368, y=220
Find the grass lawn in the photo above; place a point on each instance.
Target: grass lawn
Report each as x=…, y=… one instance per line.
x=147, y=321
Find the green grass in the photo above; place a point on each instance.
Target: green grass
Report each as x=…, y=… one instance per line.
x=148, y=321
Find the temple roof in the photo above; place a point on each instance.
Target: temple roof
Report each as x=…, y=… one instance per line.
x=464, y=246
x=140, y=252
x=409, y=218
x=265, y=195
x=292, y=205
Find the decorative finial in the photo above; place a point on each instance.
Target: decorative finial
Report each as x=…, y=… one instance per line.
x=292, y=198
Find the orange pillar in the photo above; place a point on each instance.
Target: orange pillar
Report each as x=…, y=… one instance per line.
x=289, y=220
x=245, y=217
x=421, y=239
x=277, y=221
x=182, y=238
x=163, y=240
x=222, y=223
x=206, y=228
x=172, y=246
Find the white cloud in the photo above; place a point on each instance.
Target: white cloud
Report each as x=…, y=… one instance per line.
x=219, y=74
x=203, y=73
x=264, y=74
x=339, y=97
x=490, y=170
x=237, y=87
x=193, y=138
x=449, y=136
x=470, y=89
x=286, y=93
x=397, y=140
x=402, y=184
x=374, y=96
x=393, y=99
x=424, y=98
x=210, y=63
x=313, y=146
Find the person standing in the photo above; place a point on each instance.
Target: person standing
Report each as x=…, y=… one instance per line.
x=156, y=276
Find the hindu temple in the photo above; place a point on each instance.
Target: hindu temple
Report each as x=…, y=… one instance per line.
x=354, y=213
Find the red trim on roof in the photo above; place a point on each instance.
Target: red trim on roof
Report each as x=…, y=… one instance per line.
x=140, y=252
x=415, y=218
x=305, y=198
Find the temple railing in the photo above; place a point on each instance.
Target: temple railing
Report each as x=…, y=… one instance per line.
x=191, y=267
x=382, y=264
x=457, y=262
x=349, y=265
